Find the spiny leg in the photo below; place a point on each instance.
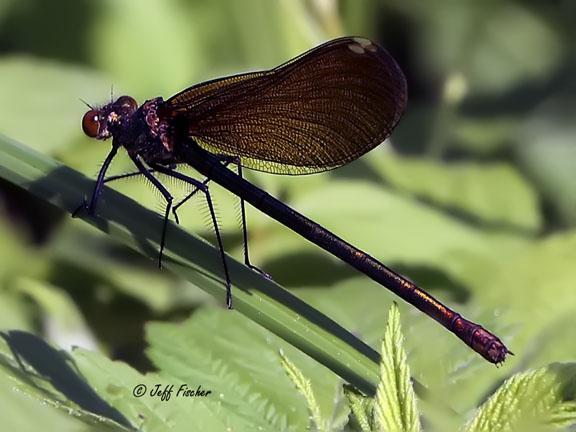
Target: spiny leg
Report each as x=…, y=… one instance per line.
x=186, y=198
x=227, y=160
x=165, y=193
x=125, y=175
x=204, y=188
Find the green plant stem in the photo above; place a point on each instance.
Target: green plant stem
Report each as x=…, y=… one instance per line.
x=255, y=296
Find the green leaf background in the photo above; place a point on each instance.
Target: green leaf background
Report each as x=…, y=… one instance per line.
x=473, y=197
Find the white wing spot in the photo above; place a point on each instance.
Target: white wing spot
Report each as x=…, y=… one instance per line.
x=356, y=48
x=364, y=43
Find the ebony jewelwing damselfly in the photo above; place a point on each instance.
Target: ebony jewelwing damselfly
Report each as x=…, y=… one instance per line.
x=314, y=113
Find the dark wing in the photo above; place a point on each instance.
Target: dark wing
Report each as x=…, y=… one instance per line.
x=316, y=112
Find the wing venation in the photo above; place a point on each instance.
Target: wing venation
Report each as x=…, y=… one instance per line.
x=316, y=112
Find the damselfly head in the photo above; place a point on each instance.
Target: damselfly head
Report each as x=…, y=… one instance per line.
x=99, y=123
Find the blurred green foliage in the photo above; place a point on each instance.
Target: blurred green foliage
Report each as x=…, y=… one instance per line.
x=474, y=198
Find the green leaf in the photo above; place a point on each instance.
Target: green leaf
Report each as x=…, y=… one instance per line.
x=64, y=323
x=501, y=58
x=53, y=106
x=361, y=407
x=537, y=283
x=498, y=46
x=117, y=383
x=14, y=312
x=395, y=405
x=482, y=136
x=273, y=32
x=304, y=386
x=158, y=37
x=239, y=360
x=545, y=149
x=494, y=195
x=38, y=386
x=533, y=400
x=101, y=392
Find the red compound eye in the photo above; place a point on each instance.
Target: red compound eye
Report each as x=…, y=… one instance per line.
x=91, y=123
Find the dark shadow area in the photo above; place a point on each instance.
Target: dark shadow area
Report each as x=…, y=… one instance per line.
x=307, y=269
x=475, y=220
x=310, y=269
x=31, y=214
x=67, y=40
x=521, y=100
x=566, y=373
x=398, y=32
x=116, y=318
x=54, y=367
x=357, y=170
